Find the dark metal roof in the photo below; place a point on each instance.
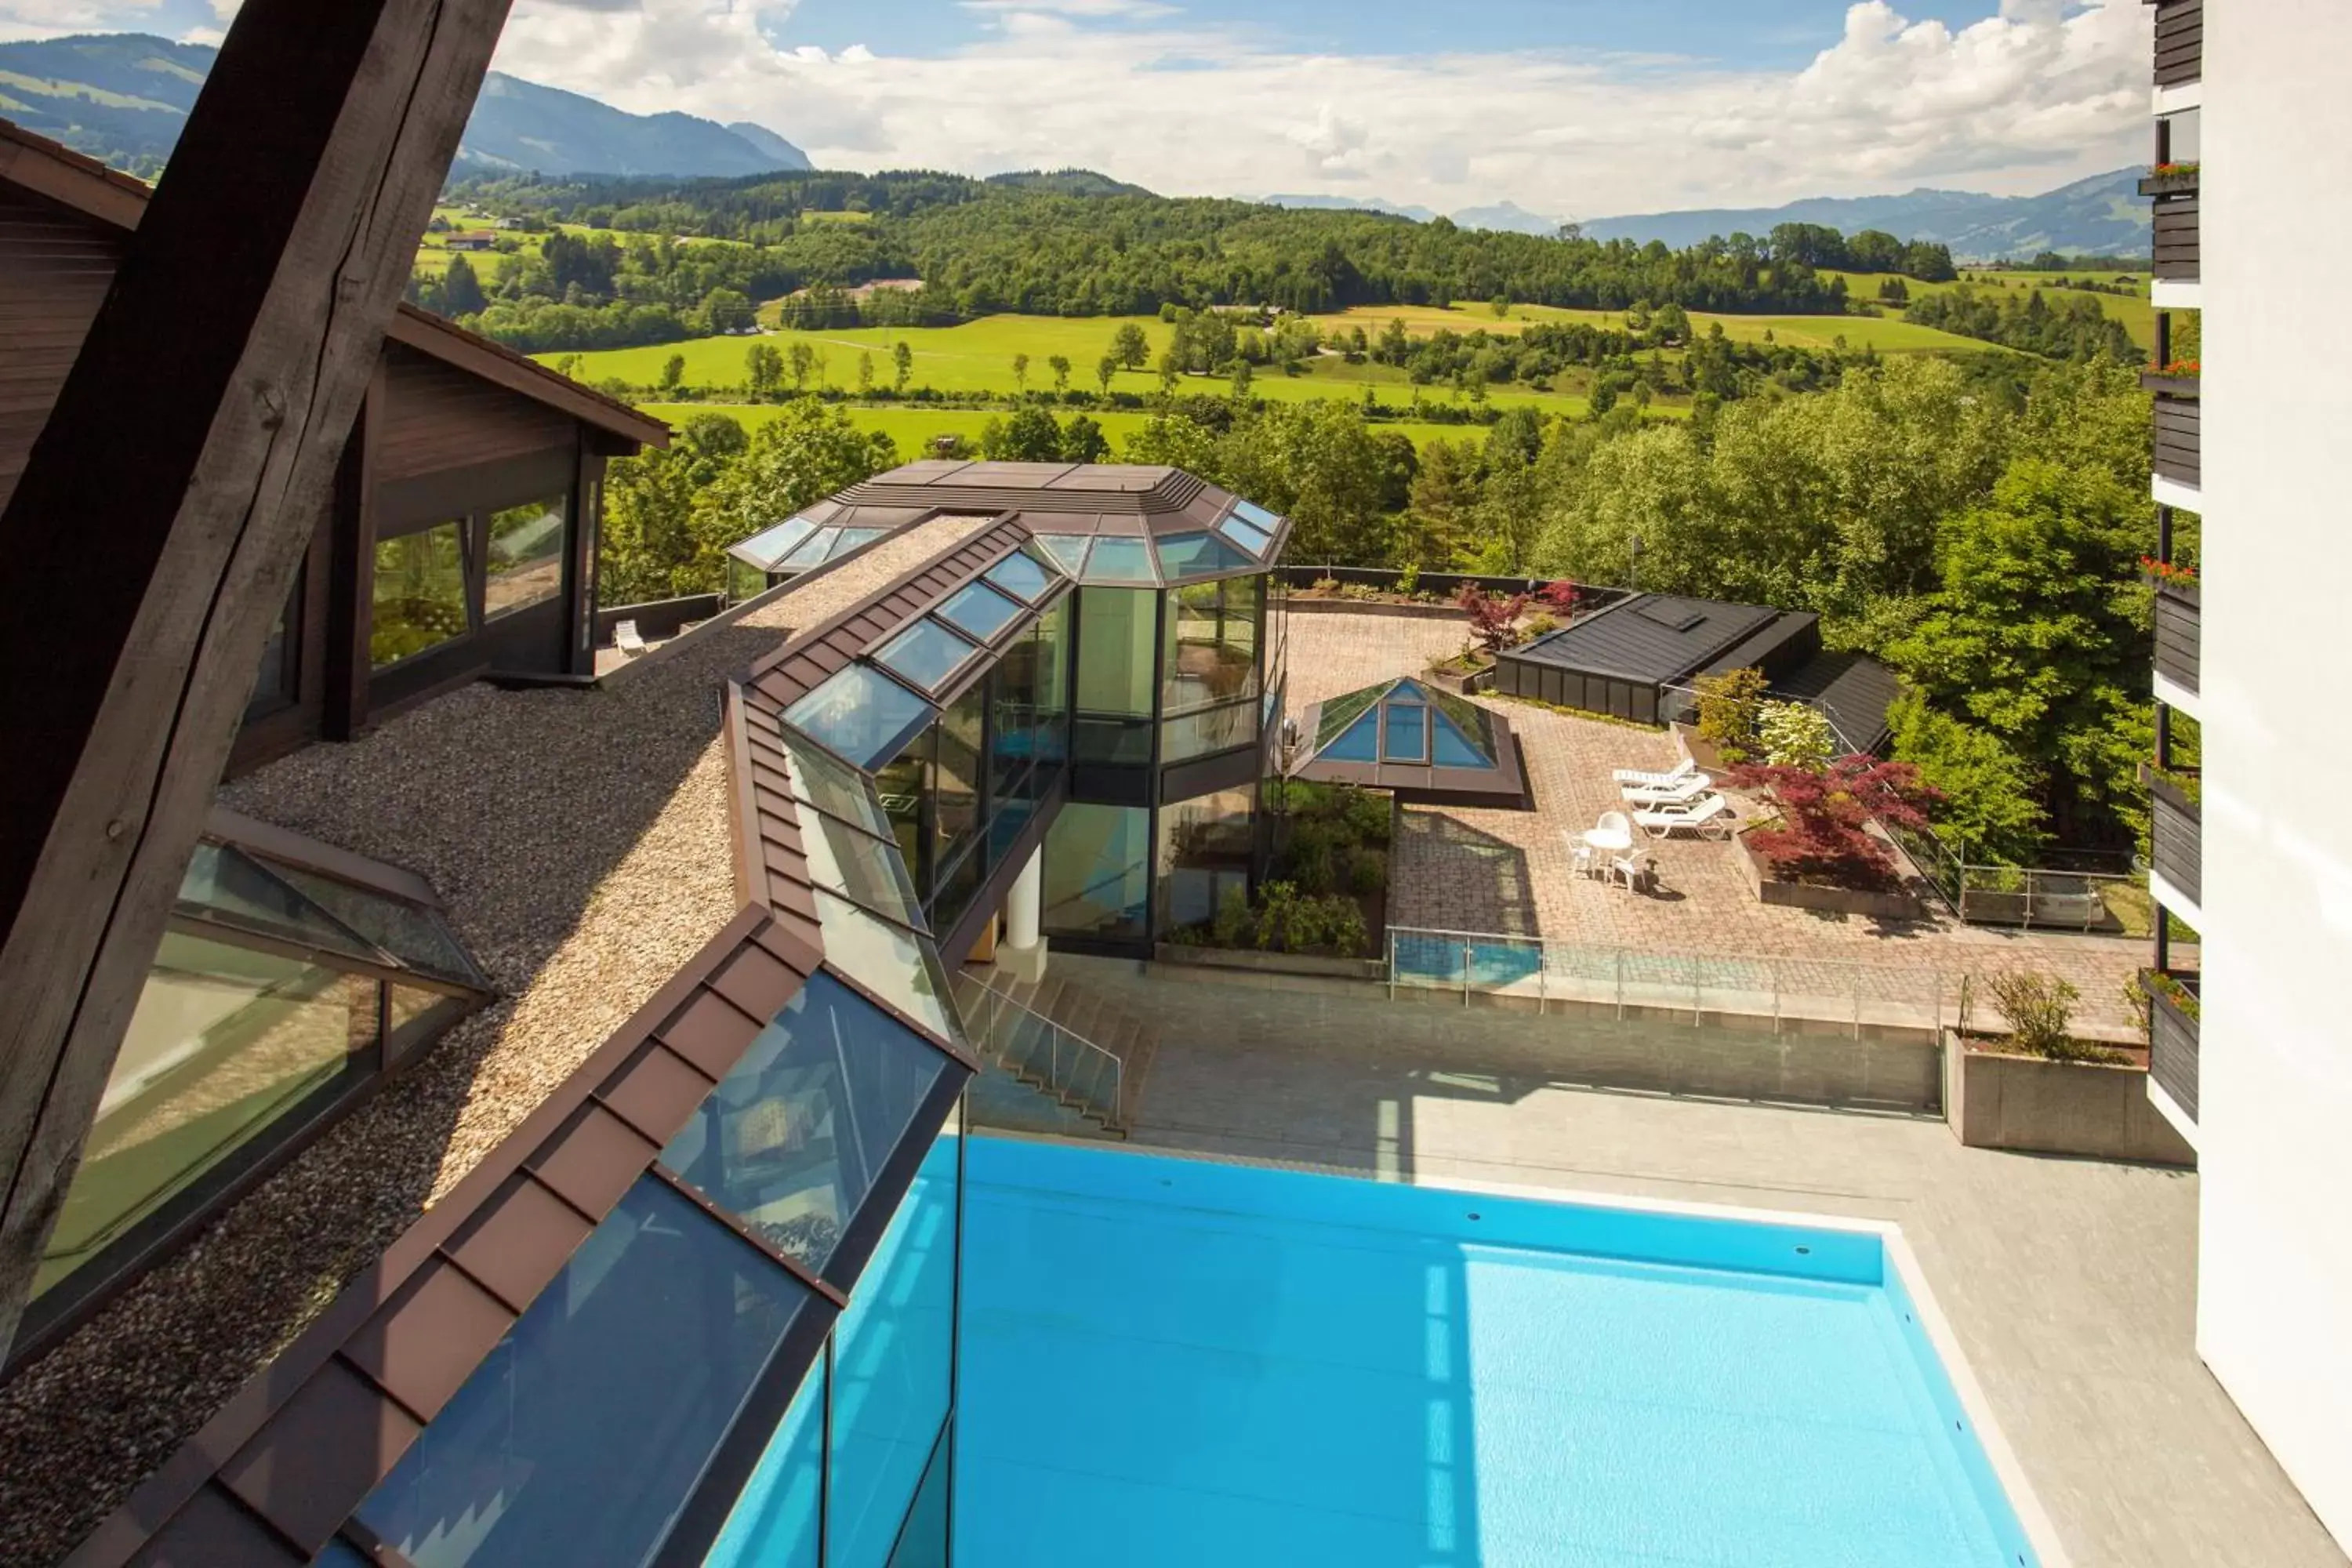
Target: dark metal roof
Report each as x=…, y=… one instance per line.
x=1059, y=498
x=1652, y=637
x=1852, y=689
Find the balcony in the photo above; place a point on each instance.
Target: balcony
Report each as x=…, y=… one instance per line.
x=2172, y=1031
x=2176, y=457
x=2175, y=194
x=2179, y=42
x=2176, y=850
x=2178, y=628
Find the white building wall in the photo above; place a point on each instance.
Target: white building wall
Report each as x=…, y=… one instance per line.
x=2274, y=1300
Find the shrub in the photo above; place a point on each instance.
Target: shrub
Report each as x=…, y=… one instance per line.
x=1823, y=835
x=1324, y=585
x=1494, y=619
x=1727, y=705
x=1560, y=598
x=1363, y=590
x=1409, y=580
x=1794, y=735
x=1368, y=871
x=1540, y=625
x=1236, y=924
x=2039, y=1009
x=1292, y=921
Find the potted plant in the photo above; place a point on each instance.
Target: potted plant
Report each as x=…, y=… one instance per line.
x=2171, y=578
x=1819, y=851
x=2170, y=180
x=2177, y=378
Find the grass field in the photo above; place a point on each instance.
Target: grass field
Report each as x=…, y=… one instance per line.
x=2137, y=314
x=1887, y=334
x=913, y=428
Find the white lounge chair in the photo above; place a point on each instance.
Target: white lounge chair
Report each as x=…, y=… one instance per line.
x=1666, y=780
x=1690, y=789
x=1704, y=816
x=625, y=639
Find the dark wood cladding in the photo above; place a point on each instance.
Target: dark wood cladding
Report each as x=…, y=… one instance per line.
x=54, y=271
x=274, y=1476
x=438, y=417
x=2176, y=238
x=2178, y=622
x=2179, y=42
x=2177, y=443
x=2177, y=844
x=2172, y=1038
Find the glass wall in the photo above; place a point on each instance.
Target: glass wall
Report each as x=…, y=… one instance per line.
x=420, y=596
x=526, y=556
x=1098, y=872
x=1204, y=852
x=1117, y=686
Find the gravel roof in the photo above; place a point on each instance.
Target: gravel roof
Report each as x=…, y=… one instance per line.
x=580, y=841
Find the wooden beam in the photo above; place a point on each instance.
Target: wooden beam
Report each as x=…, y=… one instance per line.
x=166, y=505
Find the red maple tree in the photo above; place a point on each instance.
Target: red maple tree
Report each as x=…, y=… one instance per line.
x=1494, y=617
x=1825, y=815
x=1560, y=598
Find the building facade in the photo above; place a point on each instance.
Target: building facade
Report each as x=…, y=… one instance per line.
x=2256, y=1067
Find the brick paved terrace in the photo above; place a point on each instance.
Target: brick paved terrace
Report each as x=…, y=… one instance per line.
x=1512, y=872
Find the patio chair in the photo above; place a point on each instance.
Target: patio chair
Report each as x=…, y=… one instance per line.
x=1690, y=789
x=1704, y=816
x=1579, y=852
x=1638, y=866
x=625, y=639
x=1668, y=780
x=1614, y=822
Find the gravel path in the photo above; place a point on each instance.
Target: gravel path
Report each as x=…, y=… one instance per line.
x=581, y=842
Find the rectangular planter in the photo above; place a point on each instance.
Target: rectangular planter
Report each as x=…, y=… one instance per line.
x=1467, y=685
x=1832, y=901
x=2030, y=1105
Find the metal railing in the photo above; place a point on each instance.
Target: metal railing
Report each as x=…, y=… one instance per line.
x=1804, y=991
x=1040, y=1052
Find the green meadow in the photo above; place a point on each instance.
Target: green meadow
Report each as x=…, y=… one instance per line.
x=1887, y=334
x=2137, y=316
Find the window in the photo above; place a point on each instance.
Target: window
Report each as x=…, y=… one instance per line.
x=774, y=1522
x=1198, y=555
x=900, y=969
x=1021, y=576
x=829, y=786
x=1212, y=652
x=796, y=1135
x=861, y=715
x=421, y=597
x=926, y=655
x=1098, y=872
x=979, y=611
x=655, y=1330
x=957, y=802
x=1204, y=852
x=1068, y=551
x=525, y=559
x=1118, y=626
x=868, y=871
x=1118, y=559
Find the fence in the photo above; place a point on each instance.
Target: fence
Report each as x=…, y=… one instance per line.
x=1809, y=993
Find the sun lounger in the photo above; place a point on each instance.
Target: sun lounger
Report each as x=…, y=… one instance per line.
x=625, y=639
x=1690, y=789
x=1704, y=816
x=1666, y=780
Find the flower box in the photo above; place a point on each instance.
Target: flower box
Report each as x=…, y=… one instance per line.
x=2097, y=1111
x=2170, y=384
x=2181, y=182
x=1770, y=888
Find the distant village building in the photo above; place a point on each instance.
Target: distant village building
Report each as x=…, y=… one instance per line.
x=478, y=239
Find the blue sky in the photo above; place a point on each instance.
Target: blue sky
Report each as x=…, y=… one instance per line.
x=1568, y=109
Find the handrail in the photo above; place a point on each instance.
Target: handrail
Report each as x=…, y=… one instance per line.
x=1068, y=1053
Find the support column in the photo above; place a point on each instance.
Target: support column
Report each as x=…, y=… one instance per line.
x=1022, y=954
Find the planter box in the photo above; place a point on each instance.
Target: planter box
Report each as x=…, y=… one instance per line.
x=1468, y=685
x=2163, y=385
x=2090, y=1110
x=1178, y=956
x=1832, y=901
x=2170, y=184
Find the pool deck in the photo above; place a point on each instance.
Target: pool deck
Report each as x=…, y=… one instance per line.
x=2068, y=1283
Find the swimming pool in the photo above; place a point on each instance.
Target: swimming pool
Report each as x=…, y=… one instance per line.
x=1168, y=1361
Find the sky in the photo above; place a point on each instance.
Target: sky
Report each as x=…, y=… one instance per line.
x=1570, y=109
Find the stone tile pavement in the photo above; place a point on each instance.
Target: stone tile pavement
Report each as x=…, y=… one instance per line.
x=2069, y=1284
x=1512, y=872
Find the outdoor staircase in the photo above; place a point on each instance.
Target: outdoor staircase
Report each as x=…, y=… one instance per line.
x=1079, y=1054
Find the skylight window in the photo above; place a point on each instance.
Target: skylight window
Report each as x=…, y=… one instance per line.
x=1021, y=576
x=979, y=611
x=764, y=549
x=861, y=715
x=1120, y=560
x=1199, y=555
x=926, y=654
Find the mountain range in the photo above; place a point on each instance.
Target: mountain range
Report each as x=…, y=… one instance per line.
x=1506, y=216
x=123, y=97
x=2102, y=215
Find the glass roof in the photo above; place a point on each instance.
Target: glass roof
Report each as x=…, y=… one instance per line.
x=861, y=715
x=1254, y=540
x=1257, y=517
x=898, y=968
x=1404, y=723
x=233, y=889
x=764, y=549
x=979, y=610
x=1068, y=550
x=830, y=787
x=926, y=653
x=1199, y=555
x=811, y=551
x=1020, y=574
x=869, y=871
x=1116, y=558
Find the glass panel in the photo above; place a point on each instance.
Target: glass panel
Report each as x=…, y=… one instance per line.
x=525, y=559
x=1118, y=628
x=1099, y=871
x=830, y=787
x=811, y=551
x=923, y=1542
x=1068, y=550
x=1256, y=516
x=745, y=582
x=227, y=885
x=1197, y=555
x=1054, y=630
x=979, y=610
x=960, y=878
x=905, y=788
x=1408, y=733
x=893, y=1357
x=419, y=593
x=1341, y=713
x=1242, y=534
x=1019, y=575
x=1361, y=742
x=275, y=680
x=861, y=714
x=405, y=1005
x=1014, y=740
x=774, y=1521
x=1198, y=733
x=926, y=653
x=1204, y=851
x=415, y=936
x=902, y=970
x=582, y=1434
x=871, y=871
x=1453, y=749
x=1211, y=653
x=224, y=1045
x=1119, y=560
x=764, y=549
x=955, y=795
x=854, y=539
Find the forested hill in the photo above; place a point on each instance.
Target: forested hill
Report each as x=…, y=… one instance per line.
x=986, y=247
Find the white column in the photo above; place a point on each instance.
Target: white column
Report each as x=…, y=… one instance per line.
x=1022, y=954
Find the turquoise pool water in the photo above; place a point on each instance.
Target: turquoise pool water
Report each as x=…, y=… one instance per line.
x=1179, y=1363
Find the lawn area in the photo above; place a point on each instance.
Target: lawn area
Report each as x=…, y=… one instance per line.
x=913, y=428
x=1884, y=334
x=2137, y=314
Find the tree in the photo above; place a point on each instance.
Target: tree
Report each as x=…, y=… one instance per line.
x=673, y=372
x=765, y=368
x=1170, y=369
x=1822, y=834
x=1494, y=618
x=1061, y=368
x=865, y=375
x=1105, y=370
x=1130, y=347
x=804, y=363
x=461, y=290
x=727, y=311
x=902, y=364
x=1177, y=443
x=1021, y=373
x=1029, y=436
x=1729, y=706
x=1083, y=441
x=1989, y=812
x=1242, y=376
